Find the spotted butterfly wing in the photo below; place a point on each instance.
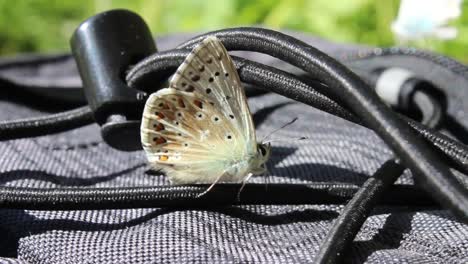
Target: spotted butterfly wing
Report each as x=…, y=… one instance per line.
x=200, y=130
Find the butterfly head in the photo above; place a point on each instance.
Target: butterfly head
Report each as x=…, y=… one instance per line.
x=263, y=154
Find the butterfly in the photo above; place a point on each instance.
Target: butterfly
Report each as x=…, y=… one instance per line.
x=200, y=129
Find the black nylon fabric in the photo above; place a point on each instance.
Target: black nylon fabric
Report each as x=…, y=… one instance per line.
x=336, y=150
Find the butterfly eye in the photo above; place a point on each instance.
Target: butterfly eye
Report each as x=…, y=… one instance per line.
x=262, y=150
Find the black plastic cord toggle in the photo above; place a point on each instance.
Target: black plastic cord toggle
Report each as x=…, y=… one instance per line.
x=104, y=46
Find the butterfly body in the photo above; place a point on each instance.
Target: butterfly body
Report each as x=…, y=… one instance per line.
x=200, y=130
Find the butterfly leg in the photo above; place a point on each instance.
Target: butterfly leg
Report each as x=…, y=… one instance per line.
x=243, y=185
x=211, y=186
x=267, y=174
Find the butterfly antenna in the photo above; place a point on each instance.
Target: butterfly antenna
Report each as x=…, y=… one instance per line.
x=278, y=129
x=285, y=139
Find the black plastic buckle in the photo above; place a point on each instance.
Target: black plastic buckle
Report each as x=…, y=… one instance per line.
x=104, y=46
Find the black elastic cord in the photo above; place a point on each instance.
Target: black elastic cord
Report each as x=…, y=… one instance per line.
x=176, y=196
x=350, y=220
x=40, y=126
x=431, y=109
x=455, y=152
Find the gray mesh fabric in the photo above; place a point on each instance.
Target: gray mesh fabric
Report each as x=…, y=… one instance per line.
x=336, y=150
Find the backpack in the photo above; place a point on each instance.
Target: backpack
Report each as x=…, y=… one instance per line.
x=286, y=216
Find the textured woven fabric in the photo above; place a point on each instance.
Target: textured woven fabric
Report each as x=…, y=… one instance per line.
x=336, y=150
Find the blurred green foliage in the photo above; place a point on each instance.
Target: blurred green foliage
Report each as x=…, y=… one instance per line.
x=46, y=25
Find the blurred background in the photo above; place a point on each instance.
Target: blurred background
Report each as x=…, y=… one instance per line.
x=46, y=25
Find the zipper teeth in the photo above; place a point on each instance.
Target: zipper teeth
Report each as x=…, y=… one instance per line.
x=442, y=60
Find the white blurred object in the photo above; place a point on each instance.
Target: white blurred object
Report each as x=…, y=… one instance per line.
x=426, y=18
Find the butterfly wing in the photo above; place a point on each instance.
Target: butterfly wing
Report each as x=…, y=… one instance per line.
x=210, y=71
x=200, y=127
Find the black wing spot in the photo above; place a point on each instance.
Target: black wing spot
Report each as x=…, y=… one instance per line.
x=208, y=90
x=211, y=79
x=196, y=78
x=226, y=74
x=190, y=89
x=216, y=73
x=200, y=116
